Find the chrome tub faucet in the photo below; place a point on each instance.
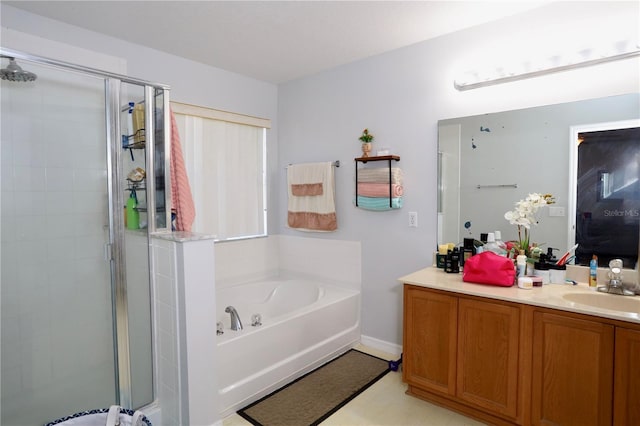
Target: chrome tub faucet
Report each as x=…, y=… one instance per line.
x=236, y=324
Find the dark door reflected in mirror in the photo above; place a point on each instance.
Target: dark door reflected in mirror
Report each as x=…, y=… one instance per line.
x=608, y=196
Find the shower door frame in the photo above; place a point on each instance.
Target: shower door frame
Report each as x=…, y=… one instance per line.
x=115, y=248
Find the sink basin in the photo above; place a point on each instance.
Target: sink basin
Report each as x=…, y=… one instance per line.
x=606, y=301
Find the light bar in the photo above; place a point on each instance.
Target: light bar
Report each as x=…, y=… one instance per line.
x=491, y=81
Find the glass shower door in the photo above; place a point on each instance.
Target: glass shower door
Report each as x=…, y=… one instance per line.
x=56, y=301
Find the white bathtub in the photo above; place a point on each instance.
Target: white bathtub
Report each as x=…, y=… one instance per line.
x=304, y=323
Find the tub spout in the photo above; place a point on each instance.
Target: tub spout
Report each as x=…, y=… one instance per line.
x=236, y=324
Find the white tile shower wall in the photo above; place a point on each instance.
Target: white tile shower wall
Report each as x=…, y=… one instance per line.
x=337, y=261
x=166, y=331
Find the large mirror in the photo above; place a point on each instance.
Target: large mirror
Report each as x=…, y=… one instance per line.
x=489, y=162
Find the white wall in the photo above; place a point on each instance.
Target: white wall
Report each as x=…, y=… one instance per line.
x=400, y=96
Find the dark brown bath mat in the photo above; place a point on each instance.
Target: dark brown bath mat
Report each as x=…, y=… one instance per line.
x=318, y=394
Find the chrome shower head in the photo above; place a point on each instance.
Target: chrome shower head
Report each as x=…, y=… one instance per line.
x=13, y=72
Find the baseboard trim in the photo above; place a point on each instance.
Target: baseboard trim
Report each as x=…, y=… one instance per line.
x=381, y=345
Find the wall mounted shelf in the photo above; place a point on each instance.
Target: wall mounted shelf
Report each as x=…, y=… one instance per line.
x=389, y=159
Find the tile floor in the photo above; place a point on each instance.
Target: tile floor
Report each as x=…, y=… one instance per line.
x=385, y=404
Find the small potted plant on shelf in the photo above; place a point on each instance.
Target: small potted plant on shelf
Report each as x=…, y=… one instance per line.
x=366, y=138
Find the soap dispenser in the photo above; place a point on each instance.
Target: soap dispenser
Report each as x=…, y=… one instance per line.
x=541, y=269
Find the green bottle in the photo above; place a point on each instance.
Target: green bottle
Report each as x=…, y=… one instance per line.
x=133, y=216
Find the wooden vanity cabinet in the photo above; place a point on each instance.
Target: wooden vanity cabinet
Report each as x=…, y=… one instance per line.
x=572, y=370
x=463, y=353
x=626, y=387
x=510, y=363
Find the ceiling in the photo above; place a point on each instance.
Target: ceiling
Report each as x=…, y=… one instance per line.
x=275, y=41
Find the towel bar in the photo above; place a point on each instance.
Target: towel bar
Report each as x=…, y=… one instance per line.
x=512, y=185
x=334, y=164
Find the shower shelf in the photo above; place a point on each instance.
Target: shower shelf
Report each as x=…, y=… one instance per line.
x=136, y=186
x=134, y=141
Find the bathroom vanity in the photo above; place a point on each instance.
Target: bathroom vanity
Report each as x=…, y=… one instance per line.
x=557, y=354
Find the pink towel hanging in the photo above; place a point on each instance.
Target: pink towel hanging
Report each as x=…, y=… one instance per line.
x=181, y=198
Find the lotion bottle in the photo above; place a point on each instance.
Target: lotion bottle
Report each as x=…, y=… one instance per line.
x=521, y=264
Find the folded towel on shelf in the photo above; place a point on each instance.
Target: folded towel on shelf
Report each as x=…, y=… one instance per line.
x=379, y=203
x=368, y=189
x=315, y=210
x=380, y=175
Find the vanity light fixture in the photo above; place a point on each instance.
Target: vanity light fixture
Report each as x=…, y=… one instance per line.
x=474, y=80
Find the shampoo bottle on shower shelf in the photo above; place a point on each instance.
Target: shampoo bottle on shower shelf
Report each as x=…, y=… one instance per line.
x=593, y=272
x=133, y=216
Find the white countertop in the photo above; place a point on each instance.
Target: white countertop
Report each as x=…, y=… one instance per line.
x=547, y=296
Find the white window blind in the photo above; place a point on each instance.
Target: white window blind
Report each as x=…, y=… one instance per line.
x=225, y=157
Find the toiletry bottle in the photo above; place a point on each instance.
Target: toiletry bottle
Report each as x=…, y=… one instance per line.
x=491, y=245
x=521, y=264
x=455, y=261
x=499, y=242
x=448, y=265
x=593, y=272
x=468, y=250
x=133, y=216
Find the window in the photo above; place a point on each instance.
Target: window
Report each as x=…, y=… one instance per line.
x=225, y=157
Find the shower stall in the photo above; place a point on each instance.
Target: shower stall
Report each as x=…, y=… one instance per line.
x=77, y=329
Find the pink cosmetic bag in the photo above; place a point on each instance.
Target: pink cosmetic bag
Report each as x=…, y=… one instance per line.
x=489, y=268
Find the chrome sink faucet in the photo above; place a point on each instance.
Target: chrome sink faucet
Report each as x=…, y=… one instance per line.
x=615, y=285
x=236, y=324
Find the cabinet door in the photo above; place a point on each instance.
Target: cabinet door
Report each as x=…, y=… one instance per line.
x=429, y=340
x=572, y=371
x=488, y=344
x=626, y=392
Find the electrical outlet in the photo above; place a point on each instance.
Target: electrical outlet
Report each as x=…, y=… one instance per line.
x=413, y=219
x=556, y=211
